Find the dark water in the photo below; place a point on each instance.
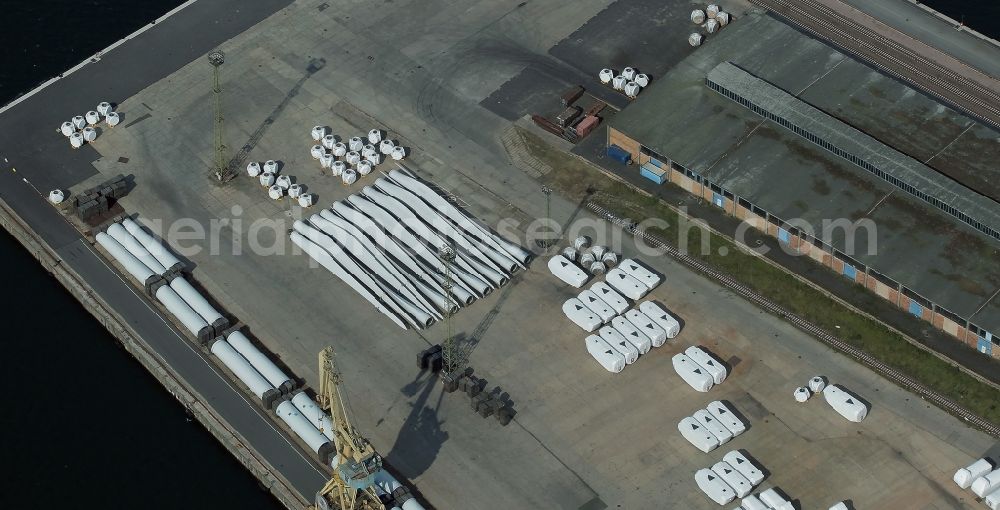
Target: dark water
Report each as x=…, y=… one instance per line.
x=83, y=424
x=982, y=16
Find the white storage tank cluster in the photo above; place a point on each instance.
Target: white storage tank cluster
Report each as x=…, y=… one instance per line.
x=629, y=82
x=398, y=269
x=711, y=427
x=82, y=128
x=711, y=20
x=699, y=369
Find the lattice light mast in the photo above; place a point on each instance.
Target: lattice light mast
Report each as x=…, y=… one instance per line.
x=451, y=354
x=217, y=58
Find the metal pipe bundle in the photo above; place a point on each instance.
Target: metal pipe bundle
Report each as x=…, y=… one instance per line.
x=260, y=362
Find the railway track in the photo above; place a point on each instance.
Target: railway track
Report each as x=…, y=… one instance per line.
x=969, y=96
x=864, y=358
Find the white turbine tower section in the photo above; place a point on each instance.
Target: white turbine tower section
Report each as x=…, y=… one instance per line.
x=430, y=298
x=184, y=313
x=499, y=259
x=156, y=248
x=314, y=414
x=132, y=265
x=326, y=260
x=454, y=214
x=373, y=260
x=399, y=229
x=242, y=369
x=196, y=301
x=299, y=424
x=260, y=362
x=412, y=313
x=379, y=237
x=133, y=246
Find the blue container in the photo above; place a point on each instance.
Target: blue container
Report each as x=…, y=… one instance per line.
x=618, y=154
x=652, y=173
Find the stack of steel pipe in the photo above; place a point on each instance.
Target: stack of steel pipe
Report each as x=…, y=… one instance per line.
x=389, y=244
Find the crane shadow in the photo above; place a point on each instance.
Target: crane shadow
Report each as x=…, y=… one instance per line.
x=420, y=437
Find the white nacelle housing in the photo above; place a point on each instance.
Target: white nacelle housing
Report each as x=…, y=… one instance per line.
x=703, y=358
x=608, y=295
x=567, y=271
x=986, y=484
x=733, y=478
x=745, y=466
x=692, y=373
x=646, y=326
x=664, y=320
x=596, y=305
x=606, y=356
x=965, y=476
x=581, y=315
x=625, y=284
x=633, y=335
x=637, y=271
x=697, y=435
x=713, y=486
x=720, y=411
x=992, y=501
x=618, y=342
x=751, y=502
x=705, y=419
x=771, y=498
x=845, y=403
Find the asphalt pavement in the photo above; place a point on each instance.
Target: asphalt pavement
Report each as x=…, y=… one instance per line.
x=36, y=159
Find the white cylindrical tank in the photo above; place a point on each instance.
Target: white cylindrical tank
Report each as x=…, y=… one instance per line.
x=89, y=134
x=314, y=414
x=271, y=166
x=339, y=149
x=283, y=181
x=349, y=176
x=711, y=11
x=817, y=383
x=374, y=159
x=802, y=394
x=124, y=238
x=195, y=300
x=67, y=128
x=193, y=322
x=266, y=179
x=618, y=82
x=722, y=18
x=316, y=151
x=76, y=140
x=965, y=476
x=632, y=89
x=609, y=258
x=711, y=26
x=318, y=132
x=374, y=136
x=240, y=367
x=307, y=200
x=642, y=80
x=253, y=169
x=629, y=73
x=697, y=16
x=57, y=196
x=570, y=253
x=260, y=362
x=329, y=141
x=337, y=168
x=987, y=483
x=355, y=143
x=606, y=75
x=112, y=119
x=326, y=160
x=92, y=117
x=103, y=108
x=364, y=167
x=156, y=248
x=385, y=146
x=352, y=158
x=398, y=153
x=79, y=122
x=309, y=434
x=276, y=192
x=295, y=190
x=694, y=39
x=598, y=268
x=581, y=243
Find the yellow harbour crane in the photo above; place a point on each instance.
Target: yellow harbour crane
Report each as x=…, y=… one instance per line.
x=355, y=462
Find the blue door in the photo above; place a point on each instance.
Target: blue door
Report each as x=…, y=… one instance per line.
x=784, y=236
x=986, y=344
x=916, y=309
x=719, y=200
x=850, y=271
